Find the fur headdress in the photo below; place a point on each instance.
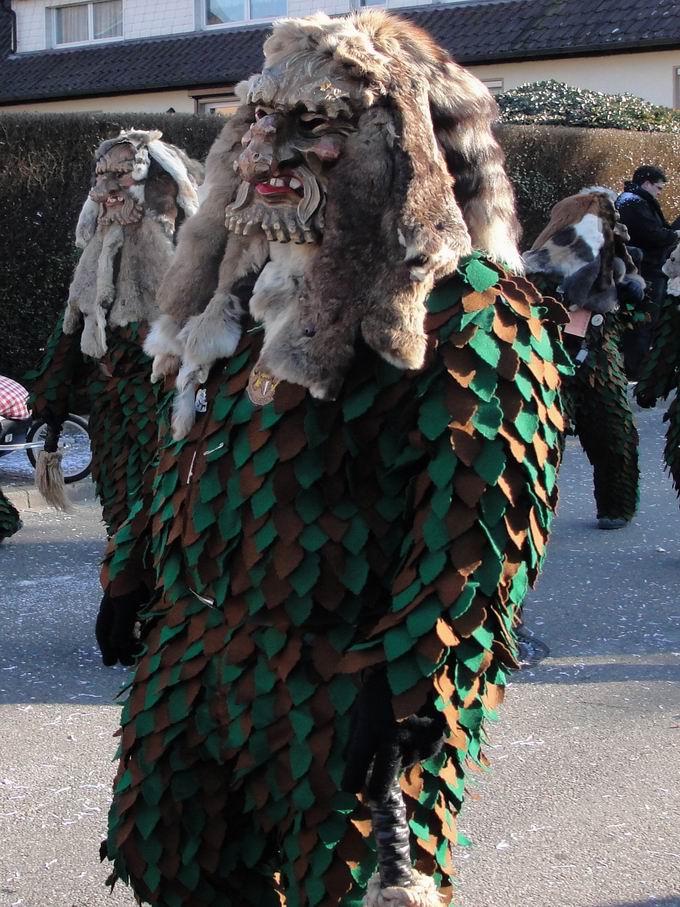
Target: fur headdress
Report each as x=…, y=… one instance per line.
x=417, y=179
x=139, y=181
x=584, y=247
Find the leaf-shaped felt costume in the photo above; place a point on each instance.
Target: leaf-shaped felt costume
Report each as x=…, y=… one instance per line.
x=599, y=413
x=661, y=376
x=9, y=518
x=122, y=405
x=297, y=545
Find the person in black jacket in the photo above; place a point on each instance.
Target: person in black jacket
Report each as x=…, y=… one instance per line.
x=640, y=211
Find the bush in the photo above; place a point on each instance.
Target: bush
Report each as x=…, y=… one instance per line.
x=553, y=103
x=45, y=171
x=547, y=163
x=45, y=162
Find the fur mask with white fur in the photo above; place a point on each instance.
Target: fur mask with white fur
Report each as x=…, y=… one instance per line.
x=126, y=229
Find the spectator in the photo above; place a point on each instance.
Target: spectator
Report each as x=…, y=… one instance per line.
x=640, y=211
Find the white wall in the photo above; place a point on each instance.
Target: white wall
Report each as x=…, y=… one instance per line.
x=648, y=75
x=151, y=102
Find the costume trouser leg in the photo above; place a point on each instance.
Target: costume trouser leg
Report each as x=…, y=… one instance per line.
x=9, y=518
x=604, y=423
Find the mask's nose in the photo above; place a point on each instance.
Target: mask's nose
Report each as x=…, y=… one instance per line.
x=258, y=162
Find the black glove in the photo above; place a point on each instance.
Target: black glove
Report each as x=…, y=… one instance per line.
x=379, y=748
x=115, y=627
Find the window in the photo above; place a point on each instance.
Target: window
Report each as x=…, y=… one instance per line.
x=88, y=22
x=217, y=105
x=222, y=12
x=495, y=86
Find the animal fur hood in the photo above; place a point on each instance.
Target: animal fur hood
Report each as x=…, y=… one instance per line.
x=126, y=229
x=389, y=145
x=584, y=247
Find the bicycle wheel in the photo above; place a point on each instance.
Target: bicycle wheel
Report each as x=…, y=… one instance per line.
x=74, y=443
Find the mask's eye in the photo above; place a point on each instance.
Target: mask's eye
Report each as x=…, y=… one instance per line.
x=310, y=122
x=261, y=112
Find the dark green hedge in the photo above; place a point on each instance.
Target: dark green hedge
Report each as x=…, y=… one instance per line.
x=45, y=162
x=45, y=170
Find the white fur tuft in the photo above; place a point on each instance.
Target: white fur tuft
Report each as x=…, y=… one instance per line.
x=173, y=164
x=423, y=893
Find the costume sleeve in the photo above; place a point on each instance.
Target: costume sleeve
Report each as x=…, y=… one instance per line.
x=644, y=229
x=490, y=423
x=55, y=382
x=660, y=368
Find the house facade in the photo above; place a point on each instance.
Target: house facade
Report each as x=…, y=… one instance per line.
x=187, y=55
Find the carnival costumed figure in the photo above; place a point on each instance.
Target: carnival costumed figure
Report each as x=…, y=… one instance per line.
x=661, y=369
x=9, y=518
x=357, y=494
x=582, y=257
x=126, y=230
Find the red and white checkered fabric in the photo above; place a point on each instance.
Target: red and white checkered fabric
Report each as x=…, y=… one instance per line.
x=13, y=399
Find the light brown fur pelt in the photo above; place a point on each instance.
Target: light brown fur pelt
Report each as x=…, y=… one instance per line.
x=392, y=228
x=49, y=480
x=193, y=276
x=565, y=213
x=145, y=257
x=368, y=45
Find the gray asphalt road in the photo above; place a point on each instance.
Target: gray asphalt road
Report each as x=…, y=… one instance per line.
x=581, y=809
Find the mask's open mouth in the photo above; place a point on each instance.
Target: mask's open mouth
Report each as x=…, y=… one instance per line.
x=280, y=187
x=114, y=200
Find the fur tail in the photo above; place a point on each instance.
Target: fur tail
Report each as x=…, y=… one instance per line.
x=49, y=480
x=423, y=893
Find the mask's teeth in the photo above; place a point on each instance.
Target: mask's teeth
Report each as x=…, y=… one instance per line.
x=295, y=183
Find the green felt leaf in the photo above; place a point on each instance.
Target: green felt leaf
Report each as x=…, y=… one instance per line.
x=431, y=565
x=203, y=516
x=299, y=608
x=265, y=459
x=309, y=505
x=526, y=424
x=397, y=642
x=443, y=466
x=488, y=418
x=403, y=674
x=300, y=759
x=303, y=578
x=273, y=641
x=266, y=535
x=491, y=461
x=309, y=467
x=312, y=538
x=423, y=619
x=302, y=722
x=434, y=417
x=241, y=449
x=464, y=600
x=407, y=595
x=479, y=276
x=486, y=346
x=342, y=692
x=264, y=499
x=299, y=687
x=355, y=573
x=435, y=533
x=485, y=381
x=356, y=536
